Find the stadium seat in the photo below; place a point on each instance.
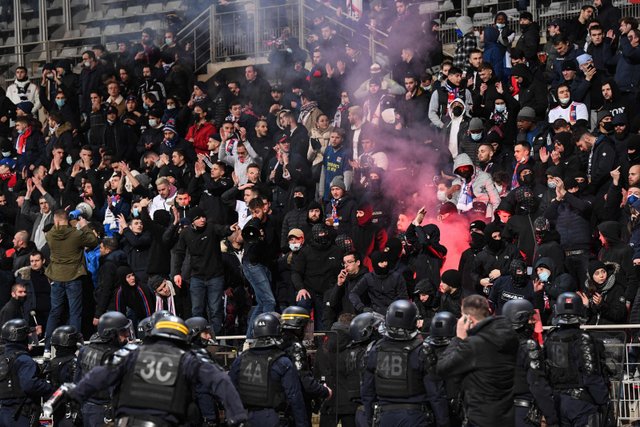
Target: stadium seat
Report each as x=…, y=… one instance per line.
x=114, y=12
x=68, y=52
x=111, y=29
x=154, y=8
x=134, y=10
x=131, y=27
x=91, y=32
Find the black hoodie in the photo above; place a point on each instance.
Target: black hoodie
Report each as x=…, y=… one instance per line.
x=620, y=253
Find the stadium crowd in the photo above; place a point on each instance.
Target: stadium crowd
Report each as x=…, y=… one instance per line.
x=132, y=186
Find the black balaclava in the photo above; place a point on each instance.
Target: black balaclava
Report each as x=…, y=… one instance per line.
x=377, y=257
x=518, y=272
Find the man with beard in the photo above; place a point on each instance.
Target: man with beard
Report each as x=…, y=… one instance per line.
x=602, y=160
x=14, y=309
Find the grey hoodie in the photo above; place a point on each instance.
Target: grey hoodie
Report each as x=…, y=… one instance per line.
x=484, y=190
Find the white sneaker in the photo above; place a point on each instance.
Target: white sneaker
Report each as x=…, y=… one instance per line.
x=46, y=354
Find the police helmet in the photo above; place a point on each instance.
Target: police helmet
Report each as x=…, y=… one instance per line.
x=363, y=326
x=144, y=328
x=295, y=317
x=160, y=314
x=266, y=325
x=66, y=336
x=443, y=325
x=15, y=330
x=171, y=327
x=198, y=325
x=111, y=324
x=518, y=312
x=401, y=320
x=569, y=309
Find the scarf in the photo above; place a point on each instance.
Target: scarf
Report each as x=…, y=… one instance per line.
x=334, y=211
x=465, y=199
x=21, y=143
x=170, y=142
x=499, y=118
x=337, y=118
x=171, y=306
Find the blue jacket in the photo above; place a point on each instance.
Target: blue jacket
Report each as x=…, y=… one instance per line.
x=494, y=52
x=627, y=67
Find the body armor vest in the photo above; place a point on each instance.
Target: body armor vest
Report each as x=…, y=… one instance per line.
x=255, y=385
x=354, y=365
x=56, y=366
x=520, y=383
x=394, y=377
x=156, y=382
x=561, y=354
x=92, y=355
x=9, y=381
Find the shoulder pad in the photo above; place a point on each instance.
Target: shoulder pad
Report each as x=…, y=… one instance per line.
x=588, y=351
x=533, y=353
x=120, y=355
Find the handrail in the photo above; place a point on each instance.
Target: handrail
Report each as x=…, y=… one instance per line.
x=195, y=22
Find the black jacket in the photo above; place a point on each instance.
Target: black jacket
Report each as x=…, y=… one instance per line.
x=486, y=361
x=383, y=289
x=316, y=267
x=337, y=298
x=204, y=248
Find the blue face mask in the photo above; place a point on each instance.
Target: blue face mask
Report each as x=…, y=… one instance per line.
x=501, y=108
x=60, y=102
x=135, y=212
x=459, y=33
x=551, y=185
x=476, y=136
x=500, y=26
x=632, y=199
x=544, y=276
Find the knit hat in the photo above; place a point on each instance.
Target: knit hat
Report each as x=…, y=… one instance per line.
x=595, y=265
x=201, y=85
x=314, y=205
x=338, y=181
x=195, y=213
x=619, y=119
x=569, y=65
x=170, y=126
x=602, y=114
x=478, y=225
x=527, y=113
x=526, y=15
x=155, y=281
x=451, y=278
x=25, y=106
x=476, y=124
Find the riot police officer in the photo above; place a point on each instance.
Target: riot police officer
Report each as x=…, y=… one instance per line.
x=441, y=331
x=200, y=337
x=153, y=382
x=114, y=331
x=395, y=375
x=294, y=320
x=20, y=385
x=363, y=331
x=573, y=365
x=266, y=378
x=532, y=395
x=62, y=368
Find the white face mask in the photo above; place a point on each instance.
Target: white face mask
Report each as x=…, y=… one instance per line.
x=87, y=64
x=501, y=108
x=6, y=153
x=69, y=160
x=295, y=247
x=153, y=123
x=564, y=101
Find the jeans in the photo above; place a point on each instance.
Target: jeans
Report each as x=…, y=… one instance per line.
x=315, y=303
x=60, y=292
x=259, y=277
x=209, y=290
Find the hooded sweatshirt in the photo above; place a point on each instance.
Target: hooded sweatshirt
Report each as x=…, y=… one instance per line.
x=480, y=187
